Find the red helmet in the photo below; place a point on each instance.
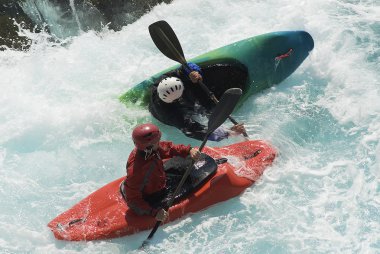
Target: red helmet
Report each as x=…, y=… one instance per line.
x=145, y=135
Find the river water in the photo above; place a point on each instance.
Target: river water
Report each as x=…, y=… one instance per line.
x=64, y=133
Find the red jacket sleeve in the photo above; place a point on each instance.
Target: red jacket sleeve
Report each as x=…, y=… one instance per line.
x=133, y=192
x=135, y=200
x=169, y=150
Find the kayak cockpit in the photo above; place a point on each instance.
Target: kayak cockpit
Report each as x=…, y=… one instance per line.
x=202, y=171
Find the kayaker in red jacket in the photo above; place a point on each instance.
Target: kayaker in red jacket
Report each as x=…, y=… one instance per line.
x=146, y=177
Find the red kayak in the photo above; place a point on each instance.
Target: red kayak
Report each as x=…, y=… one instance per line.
x=222, y=173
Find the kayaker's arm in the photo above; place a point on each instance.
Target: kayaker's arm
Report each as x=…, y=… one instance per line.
x=219, y=134
x=136, y=202
x=169, y=150
x=137, y=179
x=192, y=71
x=222, y=133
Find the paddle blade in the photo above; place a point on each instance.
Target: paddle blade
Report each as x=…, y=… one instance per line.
x=224, y=108
x=166, y=41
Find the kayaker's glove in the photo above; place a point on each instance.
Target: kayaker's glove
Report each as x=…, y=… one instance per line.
x=237, y=129
x=192, y=67
x=195, y=154
x=162, y=215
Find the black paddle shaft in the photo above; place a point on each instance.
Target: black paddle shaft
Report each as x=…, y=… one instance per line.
x=218, y=116
x=167, y=42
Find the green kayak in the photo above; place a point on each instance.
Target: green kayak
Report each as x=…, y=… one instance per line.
x=268, y=59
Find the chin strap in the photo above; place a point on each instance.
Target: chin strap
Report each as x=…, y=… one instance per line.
x=150, y=152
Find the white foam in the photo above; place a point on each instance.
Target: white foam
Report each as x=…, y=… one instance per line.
x=63, y=133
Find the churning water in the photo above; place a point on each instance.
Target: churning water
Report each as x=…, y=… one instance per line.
x=64, y=134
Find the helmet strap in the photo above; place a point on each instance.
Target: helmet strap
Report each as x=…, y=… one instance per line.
x=150, y=152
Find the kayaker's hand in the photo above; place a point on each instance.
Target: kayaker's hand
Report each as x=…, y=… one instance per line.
x=238, y=128
x=195, y=77
x=195, y=154
x=162, y=215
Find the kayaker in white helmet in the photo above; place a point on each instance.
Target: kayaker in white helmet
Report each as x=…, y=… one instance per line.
x=178, y=100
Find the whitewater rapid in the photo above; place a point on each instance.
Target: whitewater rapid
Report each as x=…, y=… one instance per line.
x=64, y=133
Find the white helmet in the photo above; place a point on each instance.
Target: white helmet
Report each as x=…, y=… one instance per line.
x=170, y=89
